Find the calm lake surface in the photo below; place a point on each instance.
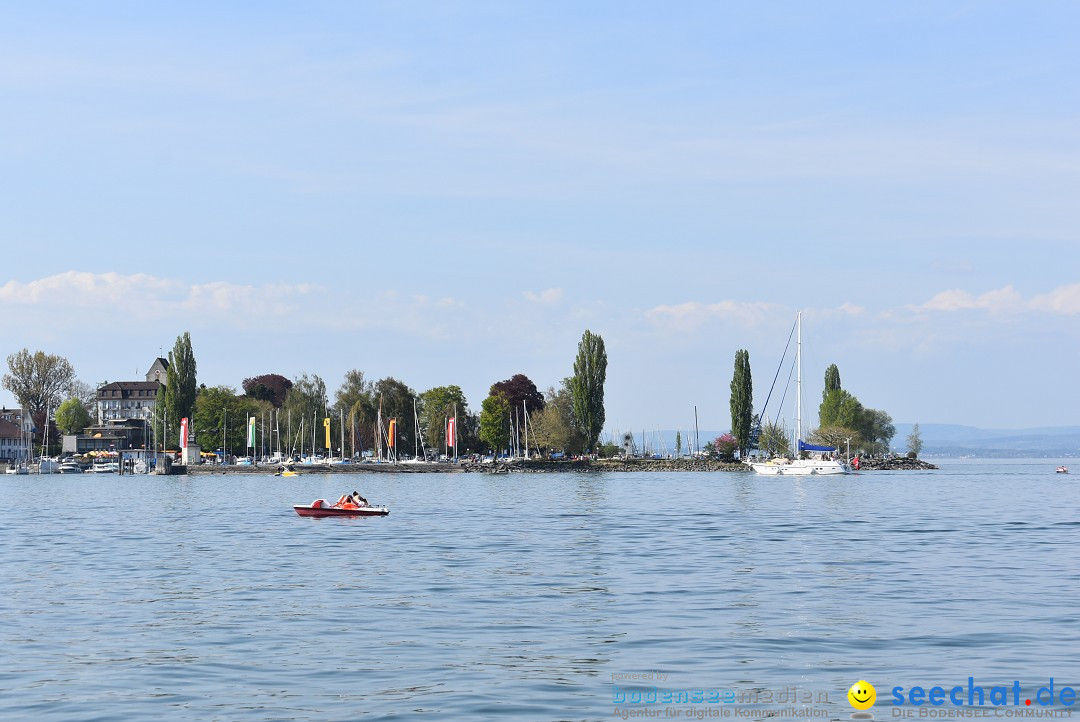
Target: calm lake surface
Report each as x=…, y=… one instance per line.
x=525, y=596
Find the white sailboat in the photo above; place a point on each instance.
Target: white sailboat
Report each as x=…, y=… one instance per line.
x=816, y=463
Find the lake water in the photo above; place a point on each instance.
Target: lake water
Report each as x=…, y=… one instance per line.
x=532, y=596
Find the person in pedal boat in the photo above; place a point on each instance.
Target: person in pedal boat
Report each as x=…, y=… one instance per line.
x=351, y=501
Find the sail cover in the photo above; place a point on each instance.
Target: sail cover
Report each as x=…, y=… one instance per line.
x=803, y=446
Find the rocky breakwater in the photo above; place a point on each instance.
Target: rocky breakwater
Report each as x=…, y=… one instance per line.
x=900, y=463
x=361, y=468
x=541, y=466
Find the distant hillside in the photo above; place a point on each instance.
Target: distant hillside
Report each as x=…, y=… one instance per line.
x=955, y=440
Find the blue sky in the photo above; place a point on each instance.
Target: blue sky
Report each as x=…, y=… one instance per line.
x=453, y=192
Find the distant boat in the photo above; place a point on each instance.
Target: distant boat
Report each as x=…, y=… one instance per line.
x=1063, y=470
x=320, y=508
x=70, y=467
x=17, y=469
x=817, y=464
x=48, y=466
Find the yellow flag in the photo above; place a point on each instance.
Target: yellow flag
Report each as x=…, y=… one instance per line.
x=326, y=425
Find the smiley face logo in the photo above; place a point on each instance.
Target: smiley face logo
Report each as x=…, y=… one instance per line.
x=862, y=695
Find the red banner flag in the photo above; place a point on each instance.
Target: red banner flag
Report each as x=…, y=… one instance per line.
x=392, y=434
x=451, y=422
x=183, y=432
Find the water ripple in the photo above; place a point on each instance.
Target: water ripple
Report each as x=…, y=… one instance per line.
x=520, y=597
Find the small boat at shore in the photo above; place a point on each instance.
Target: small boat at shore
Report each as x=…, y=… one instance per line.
x=1063, y=470
x=323, y=508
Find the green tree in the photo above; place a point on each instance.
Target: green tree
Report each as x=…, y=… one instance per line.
x=180, y=387
x=609, y=450
x=742, y=400
x=436, y=406
x=877, y=430
x=305, y=404
x=38, y=381
x=774, y=439
x=356, y=401
x=221, y=416
x=839, y=437
x=832, y=381
x=495, y=422
x=678, y=444
x=72, y=416
x=587, y=386
x=555, y=428
x=840, y=408
x=914, y=441
x=398, y=402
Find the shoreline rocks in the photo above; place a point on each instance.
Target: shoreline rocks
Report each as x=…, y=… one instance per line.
x=537, y=466
x=900, y=463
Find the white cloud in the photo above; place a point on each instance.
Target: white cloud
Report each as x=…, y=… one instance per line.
x=549, y=296
x=693, y=314
x=1062, y=300
x=1002, y=300
x=144, y=297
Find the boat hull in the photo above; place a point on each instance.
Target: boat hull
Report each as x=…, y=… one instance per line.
x=324, y=511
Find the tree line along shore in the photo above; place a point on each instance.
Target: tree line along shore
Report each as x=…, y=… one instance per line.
x=277, y=417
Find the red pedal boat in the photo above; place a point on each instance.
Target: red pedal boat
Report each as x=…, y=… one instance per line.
x=321, y=507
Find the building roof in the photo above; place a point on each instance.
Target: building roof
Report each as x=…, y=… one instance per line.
x=9, y=430
x=127, y=387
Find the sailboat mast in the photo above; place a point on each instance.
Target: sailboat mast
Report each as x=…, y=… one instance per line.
x=798, y=386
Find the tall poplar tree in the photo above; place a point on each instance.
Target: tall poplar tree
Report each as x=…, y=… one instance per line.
x=832, y=381
x=180, y=385
x=742, y=400
x=587, y=386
